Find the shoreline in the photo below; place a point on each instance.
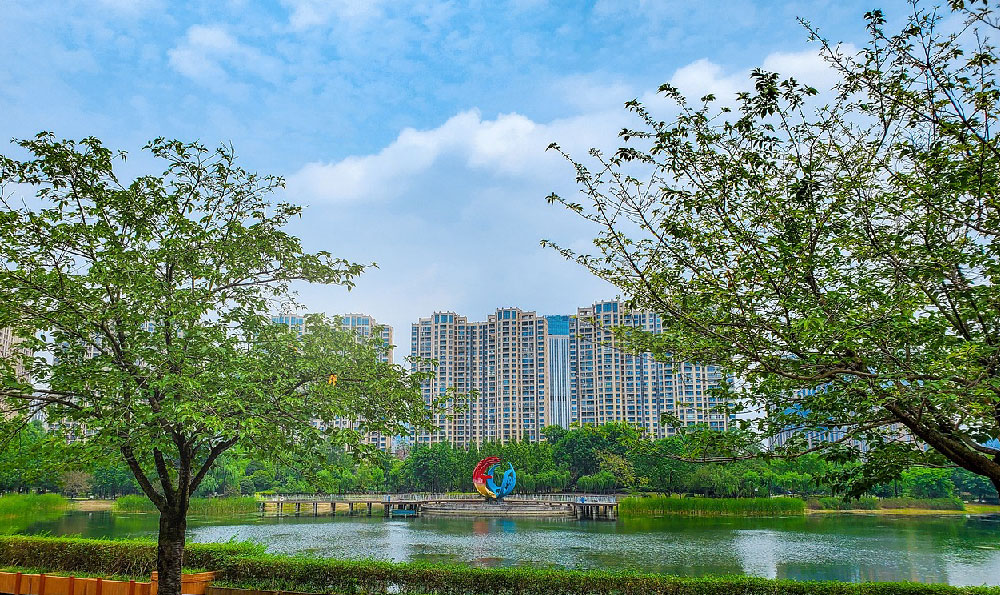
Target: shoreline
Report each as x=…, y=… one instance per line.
x=91, y=505
x=970, y=509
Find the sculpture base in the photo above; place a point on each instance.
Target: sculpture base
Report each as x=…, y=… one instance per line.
x=499, y=509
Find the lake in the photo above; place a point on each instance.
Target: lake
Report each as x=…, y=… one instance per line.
x=958, y=549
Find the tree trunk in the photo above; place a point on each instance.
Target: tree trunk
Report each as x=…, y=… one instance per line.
x=170, y=550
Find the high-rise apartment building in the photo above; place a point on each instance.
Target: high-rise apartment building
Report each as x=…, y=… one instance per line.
x=363, y=326
x=12, y=352
x=517, y=372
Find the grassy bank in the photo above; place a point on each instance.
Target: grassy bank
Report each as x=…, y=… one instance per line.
x=246, y=566
x=199, y=506
x=31, y=504
x=19, y=511
x=659, y=505
x=710, y=506
x=887, y=504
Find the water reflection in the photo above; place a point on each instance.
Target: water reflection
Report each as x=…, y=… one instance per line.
x=957, y=549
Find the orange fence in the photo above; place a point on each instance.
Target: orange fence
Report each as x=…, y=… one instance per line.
x=16, y=583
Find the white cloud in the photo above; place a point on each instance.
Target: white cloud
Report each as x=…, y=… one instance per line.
x=208, y=53
x=702, y=77
x=310, y=13
x=509, y=146
x=447, y=202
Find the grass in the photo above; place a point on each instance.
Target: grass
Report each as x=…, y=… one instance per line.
x=30, y=504
x=710, y=506
x=19, y=511
x=199, y=506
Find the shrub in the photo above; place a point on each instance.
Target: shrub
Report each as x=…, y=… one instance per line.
x=953, y=503
x=338, y=576
x=128, y=557
x=833, y=503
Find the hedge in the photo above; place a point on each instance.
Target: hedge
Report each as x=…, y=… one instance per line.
x=245, y=565
x=125, y=557
x=340, y=576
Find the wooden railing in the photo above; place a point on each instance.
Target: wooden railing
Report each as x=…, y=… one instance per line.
x=17, y=583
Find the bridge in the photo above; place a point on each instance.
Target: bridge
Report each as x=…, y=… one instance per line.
x=588, y=506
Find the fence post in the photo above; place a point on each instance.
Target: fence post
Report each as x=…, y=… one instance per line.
x=17, y=584
x=100, y=586
x=72, y=584
x=41, y=584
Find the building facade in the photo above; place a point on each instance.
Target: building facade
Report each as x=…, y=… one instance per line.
x=363, y=326
x=12, y=351
x=13, y=354
x=515, y=373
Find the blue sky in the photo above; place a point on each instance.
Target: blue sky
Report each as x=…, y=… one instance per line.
x=414, y=132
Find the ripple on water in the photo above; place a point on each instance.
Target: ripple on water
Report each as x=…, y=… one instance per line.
x=958, y=550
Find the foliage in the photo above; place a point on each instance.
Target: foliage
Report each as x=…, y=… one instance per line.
x=645, y=466
x=154, y=297
x=923, y=503
x=710, y=506
x=244, y=565
x=30, y=460
x=929, y=483
x=602, y=482
x=866, y=503
x=840, y=257
x=129, y=557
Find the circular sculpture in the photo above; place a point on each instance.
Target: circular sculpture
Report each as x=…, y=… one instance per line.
x=483, y=478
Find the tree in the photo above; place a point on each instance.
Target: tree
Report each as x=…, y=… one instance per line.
x=154, y=297
x=841, y=259
x=30, y=460
x=75, y=483
x=928, y=483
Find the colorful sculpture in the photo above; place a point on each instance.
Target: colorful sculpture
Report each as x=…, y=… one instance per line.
x=483, y=478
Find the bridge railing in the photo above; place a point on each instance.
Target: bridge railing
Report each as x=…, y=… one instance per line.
x=429, y=496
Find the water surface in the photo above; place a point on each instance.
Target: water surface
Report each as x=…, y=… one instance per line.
x=960, y=549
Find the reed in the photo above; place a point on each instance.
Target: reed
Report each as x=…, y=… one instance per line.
x=199, y=506
x=710, y=506
x=31, y=504
x=19, y=511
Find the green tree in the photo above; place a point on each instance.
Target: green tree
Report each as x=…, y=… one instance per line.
x=111, y=479
x=30, y=460
x=928, y=483
x=842, y=259
x=154, y=297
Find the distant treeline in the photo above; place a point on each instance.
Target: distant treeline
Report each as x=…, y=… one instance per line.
x=594, y=459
